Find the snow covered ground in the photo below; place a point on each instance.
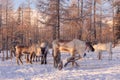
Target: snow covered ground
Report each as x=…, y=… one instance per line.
x=90, y=68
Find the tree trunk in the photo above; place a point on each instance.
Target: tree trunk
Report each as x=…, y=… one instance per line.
x=58, y=15
x=101, y=24
x=94, y=19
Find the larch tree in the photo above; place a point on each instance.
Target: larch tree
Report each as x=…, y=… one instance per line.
x=117, y=21
x=7, y=10
x=0, y=26
x=51, y=11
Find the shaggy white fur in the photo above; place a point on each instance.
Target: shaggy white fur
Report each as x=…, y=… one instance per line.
x=100, y=47
x=73, y=47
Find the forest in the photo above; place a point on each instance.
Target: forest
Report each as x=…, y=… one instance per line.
x=34, y=21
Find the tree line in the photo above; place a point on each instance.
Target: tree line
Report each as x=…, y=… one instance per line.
x=58, y=19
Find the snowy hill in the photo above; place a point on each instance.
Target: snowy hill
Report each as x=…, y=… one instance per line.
x=90, y=68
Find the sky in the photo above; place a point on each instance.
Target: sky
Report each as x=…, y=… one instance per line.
x=19, y=2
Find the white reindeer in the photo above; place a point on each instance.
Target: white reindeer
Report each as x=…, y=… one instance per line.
x=100, y=47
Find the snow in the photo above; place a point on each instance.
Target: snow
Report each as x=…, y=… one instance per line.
x=90, y=68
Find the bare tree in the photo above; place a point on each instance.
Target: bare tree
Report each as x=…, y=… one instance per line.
x=80, y=37
x=0, y=15
x=95, y=19
x=7, y=5
x=117, y=21
x=113, y=5
x=52, y=11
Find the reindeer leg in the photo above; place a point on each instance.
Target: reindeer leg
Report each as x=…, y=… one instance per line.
x=72, y=59
x=39, y=58
x=110, y=55
x=42, y=60
x=35, y=58
x=31, y=58
x=99, y=55
x=27, y=58
x=20, y=59
x=66, y=63
x=55, y=62
x=17, y=61
x=73, y=62
x=45, y=56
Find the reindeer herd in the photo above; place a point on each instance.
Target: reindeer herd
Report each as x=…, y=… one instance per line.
x=32, y=52
x=76, y=48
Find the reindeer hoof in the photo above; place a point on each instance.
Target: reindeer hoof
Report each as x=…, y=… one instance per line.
x=60, y=65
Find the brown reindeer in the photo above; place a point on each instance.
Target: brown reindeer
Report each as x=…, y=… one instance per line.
x=44, y=50
x=29, y=50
